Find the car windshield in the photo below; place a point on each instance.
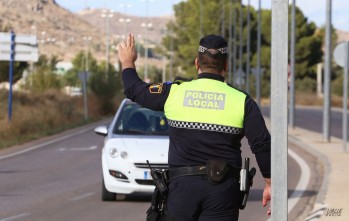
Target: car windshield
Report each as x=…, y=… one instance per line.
x=135, y=119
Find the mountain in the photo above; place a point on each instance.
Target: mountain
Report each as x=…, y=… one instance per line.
x=59, y=31
x=63, y=33
x=342, y=35
x=150, y=28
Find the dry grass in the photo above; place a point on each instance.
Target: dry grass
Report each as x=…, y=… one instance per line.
x=37, y=115
x=309, y=99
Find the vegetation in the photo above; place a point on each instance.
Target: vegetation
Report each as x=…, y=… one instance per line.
x=43, y=108
x=186, y=34
x=37, y=114
x=43, y=77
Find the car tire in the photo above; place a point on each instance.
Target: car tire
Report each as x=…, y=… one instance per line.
x=106, y=195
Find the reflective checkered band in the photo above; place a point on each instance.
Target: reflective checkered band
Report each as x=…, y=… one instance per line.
x=222, y=50
x=205, y=126
x=202, y=49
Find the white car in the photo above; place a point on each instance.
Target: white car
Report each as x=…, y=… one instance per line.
x=135, y=135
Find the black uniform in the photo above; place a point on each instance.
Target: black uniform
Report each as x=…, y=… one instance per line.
x=192, y=147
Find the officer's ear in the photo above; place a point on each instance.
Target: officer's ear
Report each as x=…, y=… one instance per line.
x=226, y=67
x=197, y=65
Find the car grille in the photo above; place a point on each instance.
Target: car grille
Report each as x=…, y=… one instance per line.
x=145, y=182
x=153, y=165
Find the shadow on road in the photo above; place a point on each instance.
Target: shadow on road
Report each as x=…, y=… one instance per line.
x=256, y=194
x=136, y=197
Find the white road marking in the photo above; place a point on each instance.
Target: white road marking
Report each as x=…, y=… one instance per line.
x=302, y=182
x=81, y=197
x=15, y=217
x=43, y=144
x=78, y=148
x=317, y=213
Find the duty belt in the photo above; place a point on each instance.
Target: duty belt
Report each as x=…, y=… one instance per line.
x=198, y=170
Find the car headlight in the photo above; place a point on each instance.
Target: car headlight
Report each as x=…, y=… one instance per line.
x=113, y=152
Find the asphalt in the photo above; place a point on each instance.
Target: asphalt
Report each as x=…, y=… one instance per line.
x=332, y=201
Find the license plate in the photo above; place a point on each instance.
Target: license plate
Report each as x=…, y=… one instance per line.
x=146, y=175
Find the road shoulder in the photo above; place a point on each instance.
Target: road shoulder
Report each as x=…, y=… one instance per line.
x=333, y=193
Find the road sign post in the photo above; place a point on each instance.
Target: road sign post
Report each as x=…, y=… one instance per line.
x=12, y=53
x=17, y=48
x=341, y=57
x=345, y=101
x=84, y=76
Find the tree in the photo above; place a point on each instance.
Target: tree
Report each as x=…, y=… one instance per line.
x=308, y=47
x=79, y=65
x=44, y=78
x=186, y=34
x=18, y=68
x=186, y=29
x=106, y=86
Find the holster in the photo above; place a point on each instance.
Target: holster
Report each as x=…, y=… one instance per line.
x=217, y=170
x=158, y=208
x=246, y=181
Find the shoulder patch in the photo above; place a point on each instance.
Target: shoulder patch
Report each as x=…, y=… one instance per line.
x=155, y=88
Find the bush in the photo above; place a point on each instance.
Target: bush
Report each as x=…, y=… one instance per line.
x=337, y=86
x=35, y=115
x=306, y=85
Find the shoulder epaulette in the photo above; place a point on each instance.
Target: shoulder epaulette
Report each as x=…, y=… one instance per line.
x=180, y=80
x=244, y=92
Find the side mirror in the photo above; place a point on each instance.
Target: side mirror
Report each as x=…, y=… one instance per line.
x=101, y=130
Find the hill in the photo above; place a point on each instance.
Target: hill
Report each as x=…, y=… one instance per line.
x=342, y=35
x=150, y=28
x=59, y=31
x=63, y=33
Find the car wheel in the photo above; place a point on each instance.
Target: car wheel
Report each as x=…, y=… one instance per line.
x=106, y=195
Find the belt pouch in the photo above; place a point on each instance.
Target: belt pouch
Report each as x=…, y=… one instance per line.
x=217, y=170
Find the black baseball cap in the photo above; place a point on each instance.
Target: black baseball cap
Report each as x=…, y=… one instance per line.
x=214, y=46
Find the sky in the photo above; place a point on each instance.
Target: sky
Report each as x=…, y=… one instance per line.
x=314, y=10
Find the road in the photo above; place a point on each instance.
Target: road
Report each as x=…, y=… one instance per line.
x=59, y=179
x=304, y=115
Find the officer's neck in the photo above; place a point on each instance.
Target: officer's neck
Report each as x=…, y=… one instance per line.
x=221, y=73
x=207, y=75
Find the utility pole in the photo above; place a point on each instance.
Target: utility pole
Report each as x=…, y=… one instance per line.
x=200, y=18
x=279, y=66
x=240, y=49
x=258, y=76
x=171, y=48
x=327, y=75
x=230, y=42
x=87, y=52
x=292, y=77
x=146, y=41
x=234, y=42
x=248, y=48
x=222, y=19
x=107, y=15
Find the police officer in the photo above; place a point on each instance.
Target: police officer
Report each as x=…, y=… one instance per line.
x=207, y=119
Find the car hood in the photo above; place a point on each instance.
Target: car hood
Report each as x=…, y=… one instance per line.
x=143, y=148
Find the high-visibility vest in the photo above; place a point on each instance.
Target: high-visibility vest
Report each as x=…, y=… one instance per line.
x=206, y=104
